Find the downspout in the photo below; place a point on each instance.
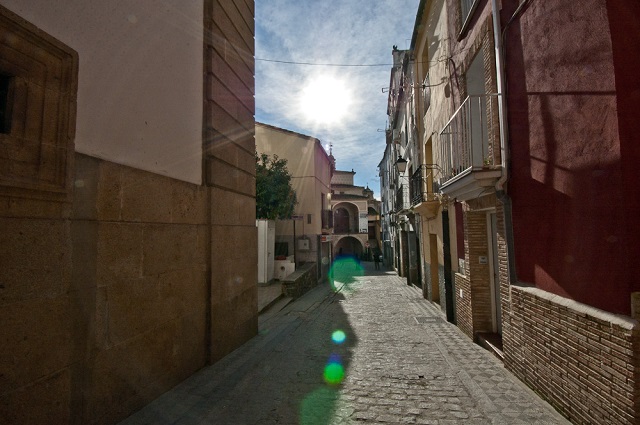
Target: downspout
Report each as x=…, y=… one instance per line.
x=504, y=143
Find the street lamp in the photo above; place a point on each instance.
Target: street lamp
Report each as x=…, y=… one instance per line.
x=401, y=164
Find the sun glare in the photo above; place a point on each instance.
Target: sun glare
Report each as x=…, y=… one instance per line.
x=325, y=100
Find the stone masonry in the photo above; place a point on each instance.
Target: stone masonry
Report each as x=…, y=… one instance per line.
x=301, y=281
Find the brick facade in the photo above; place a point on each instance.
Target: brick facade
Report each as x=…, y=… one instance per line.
x=474, y=304
x=464, y=310
x=582, y=360
x=476, y=246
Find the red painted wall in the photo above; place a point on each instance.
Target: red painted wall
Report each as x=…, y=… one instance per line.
x=571, y=173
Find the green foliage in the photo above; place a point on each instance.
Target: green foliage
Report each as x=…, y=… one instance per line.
x=275, y=198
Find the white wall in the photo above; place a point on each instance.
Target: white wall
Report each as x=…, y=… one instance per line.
x=140, y=78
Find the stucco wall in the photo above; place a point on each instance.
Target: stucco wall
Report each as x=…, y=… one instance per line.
x=310, y=170
x=140, y=79
x=566, y=171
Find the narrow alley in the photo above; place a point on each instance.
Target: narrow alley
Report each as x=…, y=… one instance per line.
x=368, y=349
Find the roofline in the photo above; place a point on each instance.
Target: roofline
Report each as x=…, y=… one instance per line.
x=295, y=133
x=419, y=14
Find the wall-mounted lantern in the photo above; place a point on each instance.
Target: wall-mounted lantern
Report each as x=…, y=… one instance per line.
x=401, y=164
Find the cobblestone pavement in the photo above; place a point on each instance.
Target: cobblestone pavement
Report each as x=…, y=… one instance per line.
x=399, y=363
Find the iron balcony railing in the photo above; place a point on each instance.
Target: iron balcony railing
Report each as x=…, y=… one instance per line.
x=471, y=139
x=402, y=198
x=422, y=186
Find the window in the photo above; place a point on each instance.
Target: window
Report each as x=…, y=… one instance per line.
x=5, y=104
x=426, y=94
x=37, y=111
x=467, y=7
x=282, y=249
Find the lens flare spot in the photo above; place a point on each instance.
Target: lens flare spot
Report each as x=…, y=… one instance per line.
x=319, y=405
x=344, y=272
x=333, y=373
x=338, y=336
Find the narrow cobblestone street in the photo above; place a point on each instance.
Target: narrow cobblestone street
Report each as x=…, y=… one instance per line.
x=399, y=362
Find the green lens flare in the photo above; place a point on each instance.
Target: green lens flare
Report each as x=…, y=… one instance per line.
x=338, y=336
x=343, y=272
x=333, y=373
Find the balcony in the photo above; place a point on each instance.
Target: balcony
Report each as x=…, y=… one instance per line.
x=402, y=198
x=423, y=192
x=470, y=148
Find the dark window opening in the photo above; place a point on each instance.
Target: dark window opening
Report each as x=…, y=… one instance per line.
x=5, y=104
x=282, y=249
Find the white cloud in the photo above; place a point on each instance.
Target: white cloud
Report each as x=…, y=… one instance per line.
x=339, y=32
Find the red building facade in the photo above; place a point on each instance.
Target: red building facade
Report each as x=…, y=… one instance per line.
x=573, y=335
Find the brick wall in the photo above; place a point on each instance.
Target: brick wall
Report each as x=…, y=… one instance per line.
x=476, y=246
x=464, y=311
x=584, y=361
x=503, y=266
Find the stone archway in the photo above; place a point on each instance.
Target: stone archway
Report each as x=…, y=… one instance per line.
x=349, y=246
x=345, y=218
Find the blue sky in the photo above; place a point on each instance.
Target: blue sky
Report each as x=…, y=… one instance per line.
x=358, y=32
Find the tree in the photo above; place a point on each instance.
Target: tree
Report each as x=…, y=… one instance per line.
x=275, y=198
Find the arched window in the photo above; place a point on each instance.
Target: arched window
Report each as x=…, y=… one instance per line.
x=341, y=221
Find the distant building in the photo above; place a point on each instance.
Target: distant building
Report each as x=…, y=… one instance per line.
x=127, y=201
x=311, y=169
x=356, y=225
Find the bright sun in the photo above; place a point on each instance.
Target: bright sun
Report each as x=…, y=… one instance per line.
x=325, y=100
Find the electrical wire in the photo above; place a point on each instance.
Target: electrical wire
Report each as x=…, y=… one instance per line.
x=325, y=64
x=439, y=60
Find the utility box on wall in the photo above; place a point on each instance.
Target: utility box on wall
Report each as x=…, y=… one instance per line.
x=303, y=244
x=266, y=249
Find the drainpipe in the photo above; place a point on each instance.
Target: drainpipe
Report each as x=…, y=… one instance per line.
x=504, y=145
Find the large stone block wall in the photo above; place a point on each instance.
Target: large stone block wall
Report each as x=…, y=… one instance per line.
x=115, y=283
x=584, y=361
x=36, y=342
x=139, y=285
x=105, y=300
x=229, y=163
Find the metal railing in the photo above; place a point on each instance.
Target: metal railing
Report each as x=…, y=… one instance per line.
x=422, y=187
x=402, y=198
x=471, y=139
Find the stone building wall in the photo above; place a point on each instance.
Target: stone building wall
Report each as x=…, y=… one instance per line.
x=229, y=163
x=115, y=283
